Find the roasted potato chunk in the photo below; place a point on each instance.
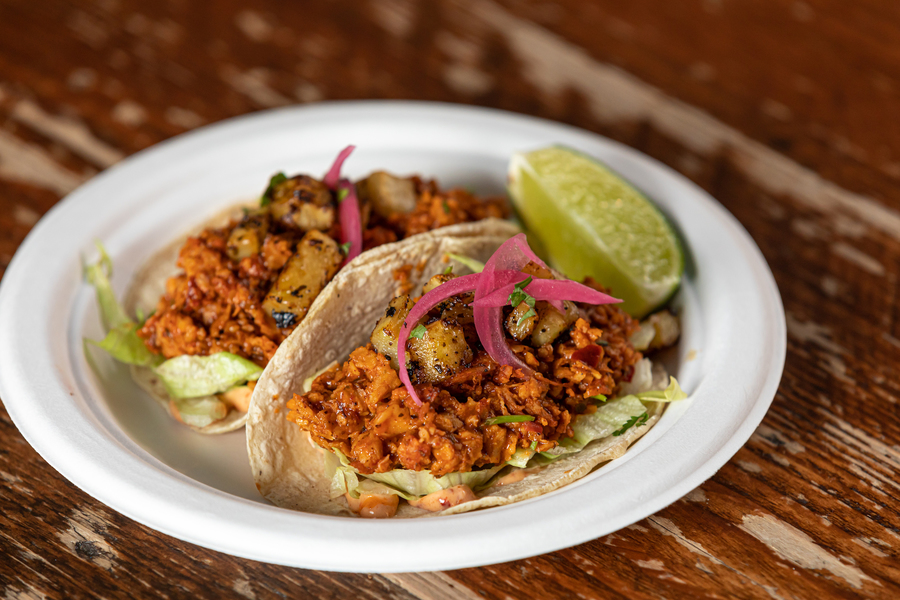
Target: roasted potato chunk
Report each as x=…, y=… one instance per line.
x=518, y=327
x=537, y=271
x=247, y=238
x=439, y=353
x=304, y=203
x=387, y=330
x=387, y=193
x=550, y=322
x=436, y=281
x=314, y=263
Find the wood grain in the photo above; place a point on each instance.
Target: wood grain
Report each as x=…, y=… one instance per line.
x=782, y=110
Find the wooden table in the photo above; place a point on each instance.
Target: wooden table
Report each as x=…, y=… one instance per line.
x=786, y=111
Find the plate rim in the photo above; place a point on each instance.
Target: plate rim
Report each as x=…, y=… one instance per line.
x=15, y=387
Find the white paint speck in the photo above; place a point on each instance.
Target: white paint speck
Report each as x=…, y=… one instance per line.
x=858, y=258
x=776, y=110
x=81, y=79
x=655, y=565
x=468, y=80
x=130, y=113
x=750, y=467
x=183, y=117
x=25, y=215
x=308, y=92
x=253, y=25
x=397, y=17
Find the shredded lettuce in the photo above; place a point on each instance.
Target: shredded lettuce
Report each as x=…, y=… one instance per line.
x=124, y=345
x=121, y=341
x=605, y=420
x=194, y=376
x=111, y=312
x=670, y=394
x=200, y=412
x=522, y=456
x=407, y=484
x=474, y=265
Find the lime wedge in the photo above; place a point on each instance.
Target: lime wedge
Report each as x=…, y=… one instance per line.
x=593, y=223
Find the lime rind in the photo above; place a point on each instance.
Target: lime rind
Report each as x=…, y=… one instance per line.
x=593, y=223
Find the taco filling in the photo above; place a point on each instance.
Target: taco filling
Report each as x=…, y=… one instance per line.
x=511, y=366
x=244, y=287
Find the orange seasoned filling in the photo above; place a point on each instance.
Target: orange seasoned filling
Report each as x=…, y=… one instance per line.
x=361, y=408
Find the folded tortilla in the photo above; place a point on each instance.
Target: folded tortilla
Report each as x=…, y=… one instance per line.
x=289, y=468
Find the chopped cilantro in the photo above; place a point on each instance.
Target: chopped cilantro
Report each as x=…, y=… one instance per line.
x=534, y=446
x=448, y=270
x=528, y=314
x=342, y=193
x=508, y=419
x=602, y=343
x=345, y=248
x=600, y=397
x=276, y=180
x=418, y=332
x=519, y=295
x=638, y=420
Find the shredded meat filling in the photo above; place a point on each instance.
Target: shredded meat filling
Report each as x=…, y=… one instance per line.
x=217, y=303
x=361, y=408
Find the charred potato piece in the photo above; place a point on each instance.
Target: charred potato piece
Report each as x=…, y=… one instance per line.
x=550, y=322
x=247, y=238
x=387, y=330
x=436, y=281
x=388, y=194
x=537, y=271
x=312, y=266
x=518, y=327
x=439, y=353
x=304, y=203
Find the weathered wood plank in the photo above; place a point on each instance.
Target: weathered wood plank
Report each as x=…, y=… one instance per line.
x=783, y=112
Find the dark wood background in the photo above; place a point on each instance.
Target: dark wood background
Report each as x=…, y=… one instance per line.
x=785, y=110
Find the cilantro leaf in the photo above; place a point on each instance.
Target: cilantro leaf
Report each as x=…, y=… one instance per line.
x=534, y=446
x=638, y=420
x=508, y=419
x=600, y=397
x=276, y=180
x=446, y=207
x=418, y=332
x=528, y=314
x=448, y=270
x=342, y=193
x=519, y=294
x=345, y=248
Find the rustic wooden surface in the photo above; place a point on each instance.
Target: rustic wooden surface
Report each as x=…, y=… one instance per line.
x=786, y=111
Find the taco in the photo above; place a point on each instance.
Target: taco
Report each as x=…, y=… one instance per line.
x=512, y=382
x=220, y=301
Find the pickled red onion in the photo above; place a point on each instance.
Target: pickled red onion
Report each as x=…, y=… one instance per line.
x=492, y=288
x=333, y=176
x=351, y=223
x=548, y=289
x=488, y=320
x=455, y=286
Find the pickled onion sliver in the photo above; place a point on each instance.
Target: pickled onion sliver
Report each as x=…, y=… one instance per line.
x=333, y=176
x=548, y=290
x=351, y=222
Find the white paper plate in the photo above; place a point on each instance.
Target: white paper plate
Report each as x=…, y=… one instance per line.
x=110, y=440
